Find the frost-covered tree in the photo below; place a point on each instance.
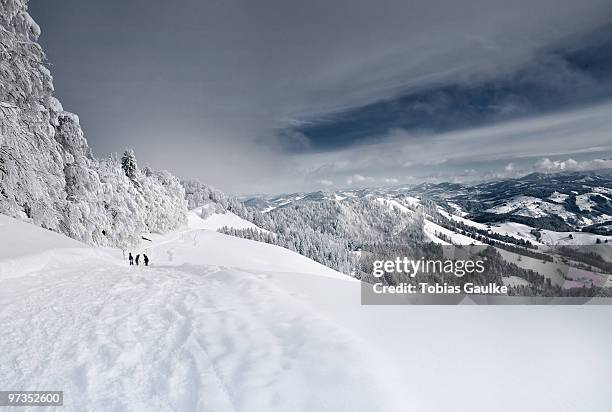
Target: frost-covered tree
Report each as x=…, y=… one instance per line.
x=48, y=175
x=199, y=194
x=128, y=163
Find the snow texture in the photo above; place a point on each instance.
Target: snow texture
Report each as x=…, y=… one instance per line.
x=274, y=332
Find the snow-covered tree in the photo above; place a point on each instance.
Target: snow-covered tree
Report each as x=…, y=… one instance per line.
x=47, y=172
x=329, y=231
x=128, y=163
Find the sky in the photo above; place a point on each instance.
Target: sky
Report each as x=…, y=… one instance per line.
x=283, y=96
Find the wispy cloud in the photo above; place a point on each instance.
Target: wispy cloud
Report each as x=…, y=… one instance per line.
x=540, y=85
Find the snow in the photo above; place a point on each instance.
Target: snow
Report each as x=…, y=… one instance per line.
x=457, y=210
x=558, y=197
x=187, y=333
x=584, y=201
x=412, y=201
x=531, y=207
x=551, y=270
x=432, y=237
x=515, y=281
x=221, y=324
x=208, y=247
x=516, y=230
x=550, y=237
x=199, y=218
x=432, y=228
x=218, y=220
x=25, y=249
x=22, y=238
x=462, y=219
x=394, y=204
x=603, y=191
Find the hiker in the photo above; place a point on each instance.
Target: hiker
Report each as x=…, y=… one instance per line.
x=137, y=259
x=131, y=258
x=146, y=259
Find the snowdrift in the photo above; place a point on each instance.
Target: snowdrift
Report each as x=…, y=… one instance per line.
x=27, y=249
x=21, y=238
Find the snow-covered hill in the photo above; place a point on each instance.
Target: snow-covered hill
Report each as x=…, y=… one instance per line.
x=562, y=260
x=201, y=218
x=566, y=208
x=220, y=323
x=576, y=201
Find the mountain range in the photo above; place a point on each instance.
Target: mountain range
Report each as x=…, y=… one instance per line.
x=562, y=202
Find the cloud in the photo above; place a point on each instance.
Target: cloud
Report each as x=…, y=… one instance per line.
x=584, y=132
x=547, y=165
x=508, y=149
x=357, y=178
x=325, y=182
x=290, y=141
x=201, y=105
x=539, y=86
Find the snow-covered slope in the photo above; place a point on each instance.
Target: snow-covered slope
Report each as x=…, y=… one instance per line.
x=209, y=247
x=27, y=249
x=21, y=239
x=183, y=334
x=202, y=219
x=199, y=243
x=269, y=333
x=432, y=231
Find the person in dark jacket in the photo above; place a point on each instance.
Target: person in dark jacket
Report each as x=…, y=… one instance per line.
x=131, y=258
x=146, y=259
x=137, y=259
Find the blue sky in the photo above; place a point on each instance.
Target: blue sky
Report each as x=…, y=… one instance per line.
x=275, y=95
